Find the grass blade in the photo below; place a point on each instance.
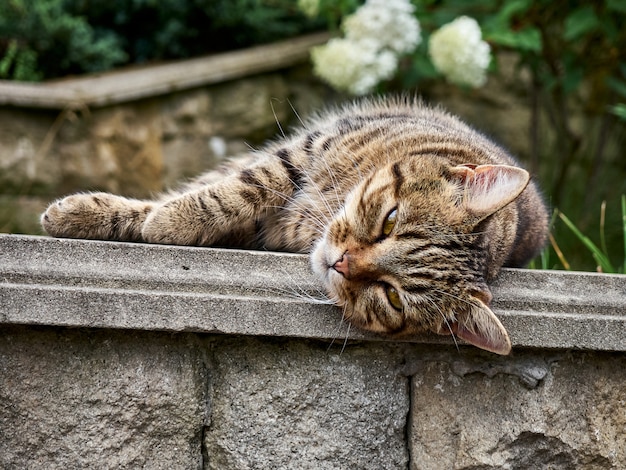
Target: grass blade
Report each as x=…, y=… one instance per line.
x=601, y=258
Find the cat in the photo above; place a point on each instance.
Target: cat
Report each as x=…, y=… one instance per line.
x=406, y=213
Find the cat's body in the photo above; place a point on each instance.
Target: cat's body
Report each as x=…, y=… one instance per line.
x=407, y=213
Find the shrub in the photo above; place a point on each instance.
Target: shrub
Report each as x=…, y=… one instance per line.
x=51, y=38
x=42, y=39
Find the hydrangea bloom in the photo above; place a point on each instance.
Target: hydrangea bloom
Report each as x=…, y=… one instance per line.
x=390, y=22
x=353, y=66
x=458, y=51
x=375, y=35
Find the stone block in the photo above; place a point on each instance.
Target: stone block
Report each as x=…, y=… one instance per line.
x=100, y=400
x=288, y=404
x=473, y=413
x=253, y=108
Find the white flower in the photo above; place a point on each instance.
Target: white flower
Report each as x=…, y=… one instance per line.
x=458, y=51
x=356, y=67
x=375, y=36
x=389, y=22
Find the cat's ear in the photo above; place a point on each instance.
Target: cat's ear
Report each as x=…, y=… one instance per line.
x=487, y=188
x=479, y=326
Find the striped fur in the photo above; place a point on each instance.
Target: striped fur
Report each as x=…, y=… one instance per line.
x=462, y=209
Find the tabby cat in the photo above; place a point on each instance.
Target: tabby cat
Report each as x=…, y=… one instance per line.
x=406, y=212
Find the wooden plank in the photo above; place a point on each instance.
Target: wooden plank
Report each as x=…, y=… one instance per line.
x=133, y=84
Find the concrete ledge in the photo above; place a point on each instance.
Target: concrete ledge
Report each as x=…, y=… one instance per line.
x=78, y=283
x=120, y=86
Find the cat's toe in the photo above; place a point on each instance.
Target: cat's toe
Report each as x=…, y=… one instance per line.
x=58, y=219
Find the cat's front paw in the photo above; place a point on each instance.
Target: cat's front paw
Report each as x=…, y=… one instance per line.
x=70, y=217
x=96, y=216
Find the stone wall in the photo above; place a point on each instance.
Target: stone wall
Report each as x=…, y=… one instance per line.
x=117, y=355
x=114, y=399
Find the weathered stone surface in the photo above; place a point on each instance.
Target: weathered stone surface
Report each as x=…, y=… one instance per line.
x=306, y=406
x=24, y=168
x=63, y=282
x=574, y=417
x=121, y=153
x=99, y=399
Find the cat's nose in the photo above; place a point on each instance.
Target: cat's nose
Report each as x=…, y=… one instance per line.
x=342, y=266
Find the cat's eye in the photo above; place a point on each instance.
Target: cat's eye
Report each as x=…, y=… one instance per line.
x=393, y=296
x=390, y=222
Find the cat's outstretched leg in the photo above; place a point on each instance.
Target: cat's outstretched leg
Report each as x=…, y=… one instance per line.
x=98, y=216
x=208, y=214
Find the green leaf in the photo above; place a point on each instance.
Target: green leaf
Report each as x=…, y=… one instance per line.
x=511, y=9
x=580, y=22
x=528, y=39
x=619, y=110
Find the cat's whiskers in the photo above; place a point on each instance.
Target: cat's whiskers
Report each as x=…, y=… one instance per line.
x=445, y=320
x=318, y=226
x=339, y=327
x=302, y=191
x=305, y=296
x=296, y=113
x=298, y=293
x=460, y=299
x=322, y=197
x=333, y=180
x=282, y=132
x=320, y=222
x=324, y=297
x=350, y=158
x=345, y=342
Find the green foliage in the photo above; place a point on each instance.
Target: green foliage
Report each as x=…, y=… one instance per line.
x=50, y=38
x=19, y=64
x=41, y=38
x=575, y=53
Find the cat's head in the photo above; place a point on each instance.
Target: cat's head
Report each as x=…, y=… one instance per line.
x=407, y=253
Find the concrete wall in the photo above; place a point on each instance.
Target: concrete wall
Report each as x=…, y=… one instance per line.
x=116, y=355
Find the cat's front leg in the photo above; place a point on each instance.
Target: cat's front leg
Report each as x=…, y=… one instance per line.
x=212, y=213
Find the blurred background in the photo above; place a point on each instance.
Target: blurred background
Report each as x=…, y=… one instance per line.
x=547, y=79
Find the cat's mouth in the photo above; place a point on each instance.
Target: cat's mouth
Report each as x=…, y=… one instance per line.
x=324, y=258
